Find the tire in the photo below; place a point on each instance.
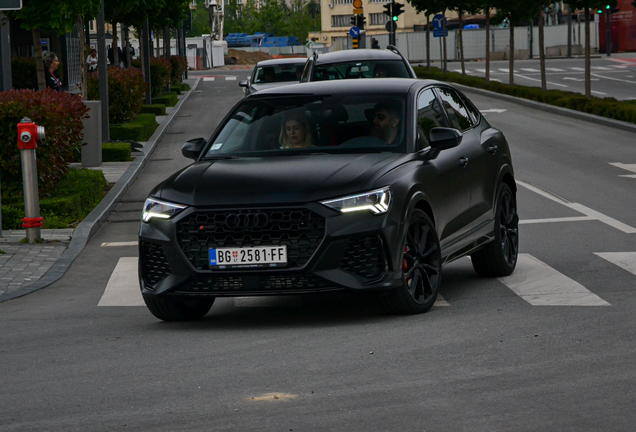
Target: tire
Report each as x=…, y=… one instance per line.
x=169, y=309
x=421, y=269
x=499, y=257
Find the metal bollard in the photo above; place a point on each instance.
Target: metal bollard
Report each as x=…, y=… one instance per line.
x=28, y=135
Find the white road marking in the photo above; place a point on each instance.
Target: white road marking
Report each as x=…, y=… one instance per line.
x=555, y=70
x=574, y=79
x=507, y=70
x=625, y=260
x=481, y=70
x=601, y=68
x=208, y=78
x=580, y=69
x=440, y=301
x=494, y=110
x=116, y=244
x=626, y=167
x=530, y=70
x=598, y=92
x=534, y=79
x=593, y=214
x=614, y=79
x=230, y=78
x=553, y=220
x=123, y=287
x=541, y=285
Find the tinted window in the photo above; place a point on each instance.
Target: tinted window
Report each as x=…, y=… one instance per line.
x=429, y=115
x=349, y=123
x=278, y=73
x=361, y=69
x=456, y=110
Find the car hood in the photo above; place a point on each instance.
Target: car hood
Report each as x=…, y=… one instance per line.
x=274, y=180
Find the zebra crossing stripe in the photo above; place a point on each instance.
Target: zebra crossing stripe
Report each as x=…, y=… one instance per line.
x=541, y=285
x=555, y=70
x=208, y=79
x=123, y=287
x=230, y=78
x=530, y=70
x=625, y=260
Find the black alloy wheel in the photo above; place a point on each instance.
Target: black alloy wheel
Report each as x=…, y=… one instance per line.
x=171, y=309
x=421, y=267
x=499, y=257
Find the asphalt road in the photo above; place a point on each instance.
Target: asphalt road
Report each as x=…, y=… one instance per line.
x=613, y=76
x=491, y=356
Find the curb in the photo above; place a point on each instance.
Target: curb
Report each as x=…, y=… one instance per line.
x=95, y=219
x=604, y=121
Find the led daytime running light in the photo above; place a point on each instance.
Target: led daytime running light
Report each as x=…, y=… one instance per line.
x=160, y=209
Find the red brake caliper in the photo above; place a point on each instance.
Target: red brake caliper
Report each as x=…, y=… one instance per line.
x=405, y=265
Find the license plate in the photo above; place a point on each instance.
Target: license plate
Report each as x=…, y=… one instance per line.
x=251, y=256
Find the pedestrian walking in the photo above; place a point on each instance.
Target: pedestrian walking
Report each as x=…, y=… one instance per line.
x=51, y=64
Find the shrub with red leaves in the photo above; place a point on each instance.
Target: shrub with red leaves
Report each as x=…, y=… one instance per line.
x=126, y=91
x=179, y=66
x=61, y=114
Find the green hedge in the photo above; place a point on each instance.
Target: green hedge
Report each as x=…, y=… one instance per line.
x=156, y=109
x=126, y=92
x=168, y=99
x=141, y=129
x=74, y=197
x=116, y=152
x=606, y=107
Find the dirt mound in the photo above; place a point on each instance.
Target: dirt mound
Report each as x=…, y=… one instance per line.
x=240, y=57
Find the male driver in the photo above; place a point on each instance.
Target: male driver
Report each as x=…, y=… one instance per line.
x=386, y=119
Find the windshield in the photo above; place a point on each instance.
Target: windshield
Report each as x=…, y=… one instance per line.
x=361, y=69
x=278, y=73
x=305, y=123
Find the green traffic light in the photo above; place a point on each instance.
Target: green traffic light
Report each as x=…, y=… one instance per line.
x=395, y=18
x=607, y=7
x=600, y=11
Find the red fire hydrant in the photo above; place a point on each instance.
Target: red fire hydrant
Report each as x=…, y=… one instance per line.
x=28, y=136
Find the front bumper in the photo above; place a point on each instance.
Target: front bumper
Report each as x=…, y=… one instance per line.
x=327, y=251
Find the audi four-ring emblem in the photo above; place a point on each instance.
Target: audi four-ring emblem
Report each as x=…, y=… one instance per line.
x=247, y=220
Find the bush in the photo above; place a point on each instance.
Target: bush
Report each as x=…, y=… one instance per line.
x=160, y=72
x=61, y=114
x=116, y=152
x=168, y=99
x=140, y=129
x=126, y=92
x=79, y=191
x=156, y=109
x=179, y=66
x=607, y=107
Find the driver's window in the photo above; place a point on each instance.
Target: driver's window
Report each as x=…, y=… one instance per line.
x=429, y=115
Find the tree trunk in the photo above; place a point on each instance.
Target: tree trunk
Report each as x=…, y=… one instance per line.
x=115, y=46
x=445, y=68
x=487, y=42
x=82, y=50
x=544, y=84
x=511, y=60
x=166, y=42
x=428, y=42
x=39, y=64
x=588, y=74
x=461, y=41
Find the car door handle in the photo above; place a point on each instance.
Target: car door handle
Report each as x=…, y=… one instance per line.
x=492, y=149
x=463, y=162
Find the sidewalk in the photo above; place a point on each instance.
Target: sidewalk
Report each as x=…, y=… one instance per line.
x=25, y=268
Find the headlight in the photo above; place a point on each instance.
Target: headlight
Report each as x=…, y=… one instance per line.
x=160, y=209
x=377, y=202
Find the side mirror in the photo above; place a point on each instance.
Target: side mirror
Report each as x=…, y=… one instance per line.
x=192, y=148
x=244, y=83
x=444, y=138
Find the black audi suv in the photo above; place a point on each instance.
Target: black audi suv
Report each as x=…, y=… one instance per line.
x=365, y=185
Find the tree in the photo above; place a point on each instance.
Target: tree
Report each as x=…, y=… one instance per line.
x=428, y=7
x=59, y=17
x=462, y=7
x=586, y=5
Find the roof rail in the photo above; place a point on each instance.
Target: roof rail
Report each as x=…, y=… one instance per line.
x=394, y=49
x=315, y=55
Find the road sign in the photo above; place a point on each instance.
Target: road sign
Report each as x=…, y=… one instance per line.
x=10, y=4
x=357, y=4
x=358, y=11
x=437, y=21
x=391, y=26
x=354, y=31
x=439, y=32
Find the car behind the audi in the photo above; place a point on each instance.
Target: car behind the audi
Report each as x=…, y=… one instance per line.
x=360, y=185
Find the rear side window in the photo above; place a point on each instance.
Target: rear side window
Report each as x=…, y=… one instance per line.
x=458, y=114
x=361, y=69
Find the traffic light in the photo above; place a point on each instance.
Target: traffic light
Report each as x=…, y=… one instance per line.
x=354, y=20
x=388, y=10
x=397, y=10
x=614, y=10
x=599, y=11
x=361, y=21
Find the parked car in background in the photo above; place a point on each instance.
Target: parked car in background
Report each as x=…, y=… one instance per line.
x=274, y=73
x=359, y=63
x=364, y=185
